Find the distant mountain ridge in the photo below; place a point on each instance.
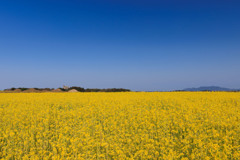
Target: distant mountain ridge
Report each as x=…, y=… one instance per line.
x=210, y=88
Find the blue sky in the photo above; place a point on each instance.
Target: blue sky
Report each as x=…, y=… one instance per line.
x=142, y=45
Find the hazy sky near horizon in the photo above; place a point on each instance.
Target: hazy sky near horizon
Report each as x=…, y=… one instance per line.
x=137, y=44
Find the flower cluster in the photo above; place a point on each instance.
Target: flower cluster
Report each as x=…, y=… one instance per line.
x=132, y=125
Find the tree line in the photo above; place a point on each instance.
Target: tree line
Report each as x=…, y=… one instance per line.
x=79, y=89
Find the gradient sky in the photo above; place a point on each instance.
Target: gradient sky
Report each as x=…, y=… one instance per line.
x=136, y=44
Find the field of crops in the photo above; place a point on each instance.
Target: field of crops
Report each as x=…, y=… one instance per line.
x=176, y=125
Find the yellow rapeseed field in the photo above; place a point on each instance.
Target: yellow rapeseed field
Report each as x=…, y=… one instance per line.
x=133, y=125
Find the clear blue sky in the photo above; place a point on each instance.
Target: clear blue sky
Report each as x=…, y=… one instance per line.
x=137, y=44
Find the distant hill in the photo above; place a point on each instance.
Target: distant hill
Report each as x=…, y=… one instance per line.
x=210, y=88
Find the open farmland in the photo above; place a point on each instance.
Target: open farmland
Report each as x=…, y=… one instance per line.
x=165, y=125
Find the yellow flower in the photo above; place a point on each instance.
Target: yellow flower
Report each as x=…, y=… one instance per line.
x=134, y=125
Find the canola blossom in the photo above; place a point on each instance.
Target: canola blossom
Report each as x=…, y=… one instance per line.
x=132, y=125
